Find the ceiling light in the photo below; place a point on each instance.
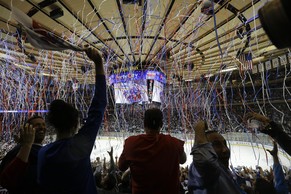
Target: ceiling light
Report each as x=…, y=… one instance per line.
x=258, y=59
x=132, y=2
x=46, y=3
x=5, y=56
x=227, y=70
x=208, y=75
x=270, y=48
x=56, y=13
x=23, y=66
x=48, y=74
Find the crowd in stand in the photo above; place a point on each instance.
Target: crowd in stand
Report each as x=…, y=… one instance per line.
x=149, y=163
x=120, y=181
x=245, y=176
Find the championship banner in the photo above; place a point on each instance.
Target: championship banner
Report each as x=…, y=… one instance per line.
x=246, y=62
x=150, y=87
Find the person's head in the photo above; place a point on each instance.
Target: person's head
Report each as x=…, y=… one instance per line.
x=108, y=182
x=63, y=117
x=220, y=147
x=38, y=123
x=262, y=186
x=153, y=119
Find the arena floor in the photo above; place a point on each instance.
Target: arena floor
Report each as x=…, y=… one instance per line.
x=242, y=153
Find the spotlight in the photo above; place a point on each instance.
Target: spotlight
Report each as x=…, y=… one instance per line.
x=56, y=13
x=46, y=3
x=41, y=5
x=207, y=8
x=132, y=2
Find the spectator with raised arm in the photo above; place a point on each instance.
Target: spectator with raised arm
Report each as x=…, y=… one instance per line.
x=153, y=158
x=272, y=129
x=106, y=179
x=19, y=167
x=64, y=166
x=280, y=185
x=13, y=174
x=209, y=172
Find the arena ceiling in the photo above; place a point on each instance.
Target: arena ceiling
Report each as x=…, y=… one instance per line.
x=172, y=36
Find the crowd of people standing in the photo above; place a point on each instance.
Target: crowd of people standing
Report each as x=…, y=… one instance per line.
x=149, y=163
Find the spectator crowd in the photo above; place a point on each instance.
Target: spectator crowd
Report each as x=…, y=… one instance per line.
x=149, y=163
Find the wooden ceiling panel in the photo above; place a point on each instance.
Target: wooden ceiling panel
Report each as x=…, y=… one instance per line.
x=143, y=32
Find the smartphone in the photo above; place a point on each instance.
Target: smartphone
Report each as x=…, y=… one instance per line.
x=253, y=124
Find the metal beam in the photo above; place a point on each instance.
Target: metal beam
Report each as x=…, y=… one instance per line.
x=161, y=27
x=144, y=19
x=218, y=26
x=124, y=27
x=73, y=14
x=185, y=18
x=106, y=27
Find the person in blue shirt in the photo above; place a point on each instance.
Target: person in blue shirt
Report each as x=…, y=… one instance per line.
x=64, y=166
x=279, y=185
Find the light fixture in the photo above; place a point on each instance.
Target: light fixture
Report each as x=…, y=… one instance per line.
x=23, y=66
x=48, y=74
x=8, y=57
x=258, y=59
x=56, y=13
x=209, y=75
x=227, y=70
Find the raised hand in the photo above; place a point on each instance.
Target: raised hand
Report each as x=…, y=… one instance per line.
x=263, y=119
x=274, y=152
x=93, y=54
x=201, y=125
x=200, y=128
x=27, y=135
x=110, y=152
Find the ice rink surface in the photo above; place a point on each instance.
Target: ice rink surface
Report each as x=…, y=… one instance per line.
x=242, y=153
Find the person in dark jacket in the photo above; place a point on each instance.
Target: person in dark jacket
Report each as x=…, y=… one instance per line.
x=272, y=129
x=18, y=169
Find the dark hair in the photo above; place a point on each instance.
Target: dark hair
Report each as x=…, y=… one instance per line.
x=29, y=120
x=263, y=186
x=153, y=118
x=98, y=178
x=62, y=116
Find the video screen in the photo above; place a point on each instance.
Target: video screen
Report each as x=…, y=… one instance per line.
x=131, y=92
x=134, y=87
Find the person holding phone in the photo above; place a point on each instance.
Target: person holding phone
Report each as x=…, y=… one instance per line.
x=272, y=129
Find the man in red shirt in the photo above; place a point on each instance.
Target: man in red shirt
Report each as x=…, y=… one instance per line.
x=153, y=158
